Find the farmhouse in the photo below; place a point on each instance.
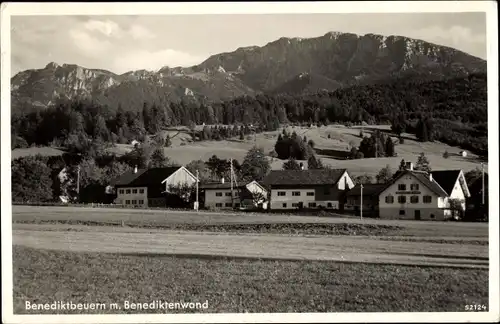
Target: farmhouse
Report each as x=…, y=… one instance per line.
x=295, y=189
x=150, y=187
x=421, y=195
x=248, y=196
x=371, y=194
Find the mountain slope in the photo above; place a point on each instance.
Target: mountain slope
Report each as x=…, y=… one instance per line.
x=286, y=65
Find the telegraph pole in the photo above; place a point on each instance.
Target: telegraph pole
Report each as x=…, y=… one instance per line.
x=78, y=183
x=197, y=181
x=482, y=179
x=231, y=173
x=361, y=207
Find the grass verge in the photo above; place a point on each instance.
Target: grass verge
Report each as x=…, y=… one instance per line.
x=236, y=285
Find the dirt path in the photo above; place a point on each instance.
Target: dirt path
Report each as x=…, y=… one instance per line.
x=333, y=248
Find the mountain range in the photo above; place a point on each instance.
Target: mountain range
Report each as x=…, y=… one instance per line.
x=287, y=65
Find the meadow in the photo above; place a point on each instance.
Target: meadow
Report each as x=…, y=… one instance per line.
x=331, y=142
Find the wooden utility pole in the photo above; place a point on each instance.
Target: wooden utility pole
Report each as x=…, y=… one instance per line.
x=361, y=206
x=197, y=181
x=78, y=182
x=482, y=179
x=231, y=175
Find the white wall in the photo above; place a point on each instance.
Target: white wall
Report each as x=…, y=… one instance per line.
x=342, y=182
x=289, y=199
x=426, y=209
x=211, y=198
x=180, y=176
x=121, y=198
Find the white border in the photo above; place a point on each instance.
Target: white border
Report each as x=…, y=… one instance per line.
x=10, y=9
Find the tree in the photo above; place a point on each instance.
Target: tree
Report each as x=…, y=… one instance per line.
x=158, y=158
x=363, y=179
x=313, y=163
x=389, y=147
x=183, y=190
x=202, y=168
x=311, y=143
x=168, y=141
x=255, y=165
x=402, y=165
x=291, y=164
x=457, y=208
x=446, y=154
x=423, y=163
x=384, y=175
x=31, y=180
x=398, y=124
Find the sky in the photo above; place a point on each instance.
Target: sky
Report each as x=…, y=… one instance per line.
x=124, y=43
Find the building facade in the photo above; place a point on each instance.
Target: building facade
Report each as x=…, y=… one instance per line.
x=307, y=189
x=218, y=195
x=420, y=196
x=371, y=192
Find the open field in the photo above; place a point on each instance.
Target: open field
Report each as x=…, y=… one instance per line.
x=165, y=219
x=240, y=285
x=342, y=138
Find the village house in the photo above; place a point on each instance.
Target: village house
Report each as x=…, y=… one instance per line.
x=421, y=195
x=371, y=194
x=297, y=189
x=246, y=196
x=150, y=187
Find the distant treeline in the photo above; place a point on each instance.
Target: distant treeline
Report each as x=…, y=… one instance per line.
x=455, y=110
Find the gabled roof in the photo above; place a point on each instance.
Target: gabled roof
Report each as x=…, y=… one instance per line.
x=368, y=190
x=144, y=177
x=446, y=179
x=303, y=177
x=421, y=176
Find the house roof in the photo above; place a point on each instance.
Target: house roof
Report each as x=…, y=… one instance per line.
x=303, y=177
x=446, y=179
x=144, y=177
x=421, y=176
x=368, y=190
x=219, y=185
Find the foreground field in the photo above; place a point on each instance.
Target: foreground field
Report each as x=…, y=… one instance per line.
x=236, y=285
x=177, y=219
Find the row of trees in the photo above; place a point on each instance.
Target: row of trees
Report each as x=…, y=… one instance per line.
x=457, y=110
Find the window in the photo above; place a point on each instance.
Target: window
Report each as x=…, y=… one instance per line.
x=218, y=194
x=284, y=205
x=402, y=187
x=229, y=205
x=134, y=191
x=121, y=191
x=141, y=191
x=296, y=193
x=281, y=193
x=218, y=205
x=134, y=202
x=296, y=205
x=228, y=194
x=414, y=199
x=433, y=216
x=401, y=199
x=329, y=205
x=312, y=204
x=127, y=202
x=427, y=199
x=128, y=191
x=389, y=199
x=237, y=205
x=401, y=212
x=310, y=193
x=414, y=186
x=141, y=202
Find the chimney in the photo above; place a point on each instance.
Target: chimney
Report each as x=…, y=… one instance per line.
x=430, y=176
x=222, y=180
x=301, y=166
x=409, y=166
x=135, y=169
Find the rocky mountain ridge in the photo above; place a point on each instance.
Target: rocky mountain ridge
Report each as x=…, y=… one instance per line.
x=286, y=65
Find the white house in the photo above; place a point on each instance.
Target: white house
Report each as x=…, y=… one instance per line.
x=296, y=189
x=149, y=187
x=420, y=195
x=218, y=195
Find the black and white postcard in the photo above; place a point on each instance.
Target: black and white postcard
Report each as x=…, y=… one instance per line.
x=250, y=162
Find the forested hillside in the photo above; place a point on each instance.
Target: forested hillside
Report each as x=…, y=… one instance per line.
x=456, y=108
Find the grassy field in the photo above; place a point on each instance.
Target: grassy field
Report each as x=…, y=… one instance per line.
x=197, y=220
x=236, y=285
x=183, y=150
